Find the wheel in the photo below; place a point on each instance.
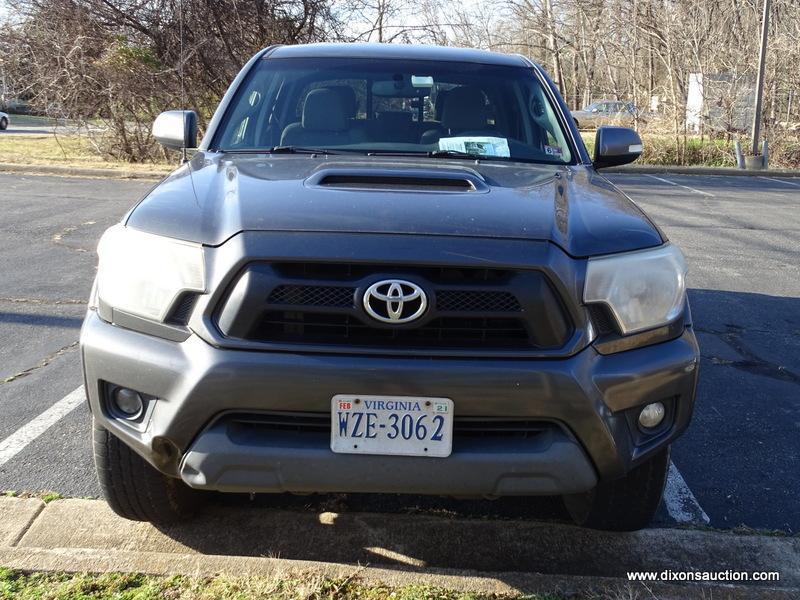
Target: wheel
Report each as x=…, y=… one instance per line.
x=577, y=125
x=3, y=124
x=134, y=489
x=625, y=504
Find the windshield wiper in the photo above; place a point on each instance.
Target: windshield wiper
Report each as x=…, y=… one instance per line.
x=454, y=154
x=429, y=154
x=280, y=150
x=298, y=150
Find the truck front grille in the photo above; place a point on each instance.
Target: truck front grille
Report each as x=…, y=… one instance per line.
x=319, y=306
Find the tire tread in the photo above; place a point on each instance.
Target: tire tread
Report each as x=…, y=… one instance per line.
x=133, y=488
x=625, y=504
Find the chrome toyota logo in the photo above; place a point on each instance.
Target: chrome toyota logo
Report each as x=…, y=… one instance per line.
x=395, y=301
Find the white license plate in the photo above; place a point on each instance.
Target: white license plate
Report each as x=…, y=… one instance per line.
x=394, y=425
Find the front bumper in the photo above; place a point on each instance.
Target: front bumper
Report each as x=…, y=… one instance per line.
x=589, y=396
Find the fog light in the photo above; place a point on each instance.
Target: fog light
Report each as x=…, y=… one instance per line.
x=128, y=403
x=652, y=415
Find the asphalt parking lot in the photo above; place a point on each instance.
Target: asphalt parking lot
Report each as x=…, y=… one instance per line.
x=737, y=464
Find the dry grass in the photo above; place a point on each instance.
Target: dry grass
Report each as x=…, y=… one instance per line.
x=659, y=149
x=666, y=149
x=63, y=150
x=81, y=586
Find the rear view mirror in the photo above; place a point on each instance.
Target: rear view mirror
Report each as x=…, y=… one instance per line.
x=616, y=146
x=398, y=88
x=176, y=129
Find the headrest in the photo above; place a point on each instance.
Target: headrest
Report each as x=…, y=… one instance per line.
x=464, y=108
x=348, y=96
x=324, y=110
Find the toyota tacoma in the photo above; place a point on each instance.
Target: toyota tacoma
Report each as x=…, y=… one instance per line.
x=389, y=269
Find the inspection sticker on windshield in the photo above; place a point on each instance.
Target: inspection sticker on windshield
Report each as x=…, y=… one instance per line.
x=479, y=146
x=553, y=151
x=393, y=425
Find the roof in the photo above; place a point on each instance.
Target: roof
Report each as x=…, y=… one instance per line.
x=398, y=51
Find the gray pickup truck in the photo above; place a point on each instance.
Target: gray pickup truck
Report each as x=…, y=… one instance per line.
x=389, y=269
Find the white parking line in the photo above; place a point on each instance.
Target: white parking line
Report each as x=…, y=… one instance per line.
x=779, y=180
x=680, y=501
x=17, y=441
x=686, y=187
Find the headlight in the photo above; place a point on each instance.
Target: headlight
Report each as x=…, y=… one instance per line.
x=643, y=289
x=143, y=274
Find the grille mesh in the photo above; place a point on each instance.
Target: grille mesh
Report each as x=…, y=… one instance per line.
x=183, y=310
x=449, y=300
x=313, y=295
x=443, y=332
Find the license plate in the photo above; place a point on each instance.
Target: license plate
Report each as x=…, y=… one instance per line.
x=393, y=425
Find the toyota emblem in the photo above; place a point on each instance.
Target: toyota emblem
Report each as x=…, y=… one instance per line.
x=395, y=301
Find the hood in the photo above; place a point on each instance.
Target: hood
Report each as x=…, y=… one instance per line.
x=216, y=196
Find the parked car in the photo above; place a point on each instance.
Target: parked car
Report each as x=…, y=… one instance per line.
x=389, y=269
x=605, y=112
x=3, y=121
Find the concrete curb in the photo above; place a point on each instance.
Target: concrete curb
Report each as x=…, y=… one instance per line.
x=63, y=171
x=463, y=554
x=715, y=171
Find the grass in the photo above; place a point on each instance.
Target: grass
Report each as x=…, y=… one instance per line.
x=662, y=149
x=45, y=496
x=61, y=586
x=659, y=149
x=48, y=497
x=63, y=150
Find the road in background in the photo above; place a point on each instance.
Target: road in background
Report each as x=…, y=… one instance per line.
x=32, y=125
x=741, y=237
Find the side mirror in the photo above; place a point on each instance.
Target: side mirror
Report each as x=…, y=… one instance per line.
x=176, y=129
x=616, y=146
x=595, y=110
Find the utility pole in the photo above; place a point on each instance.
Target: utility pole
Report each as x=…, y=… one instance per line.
x=762, y=58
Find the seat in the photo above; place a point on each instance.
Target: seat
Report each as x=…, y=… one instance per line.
x=357, y=127
x=463, y=113
x=348, y=96
x=324, y=122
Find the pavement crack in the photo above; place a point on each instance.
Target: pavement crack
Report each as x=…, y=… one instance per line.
x=750, y=362
x=43, y=363
x=42, y=301
x=18, y=538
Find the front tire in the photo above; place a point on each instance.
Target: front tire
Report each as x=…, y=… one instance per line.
x=577, y=125
x=3, y=124
x=134, y=489
x=625, y=504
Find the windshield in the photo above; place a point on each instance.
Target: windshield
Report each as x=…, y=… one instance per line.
x=390, y=106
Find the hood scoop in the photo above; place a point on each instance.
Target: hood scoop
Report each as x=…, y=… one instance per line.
x=400, y=180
